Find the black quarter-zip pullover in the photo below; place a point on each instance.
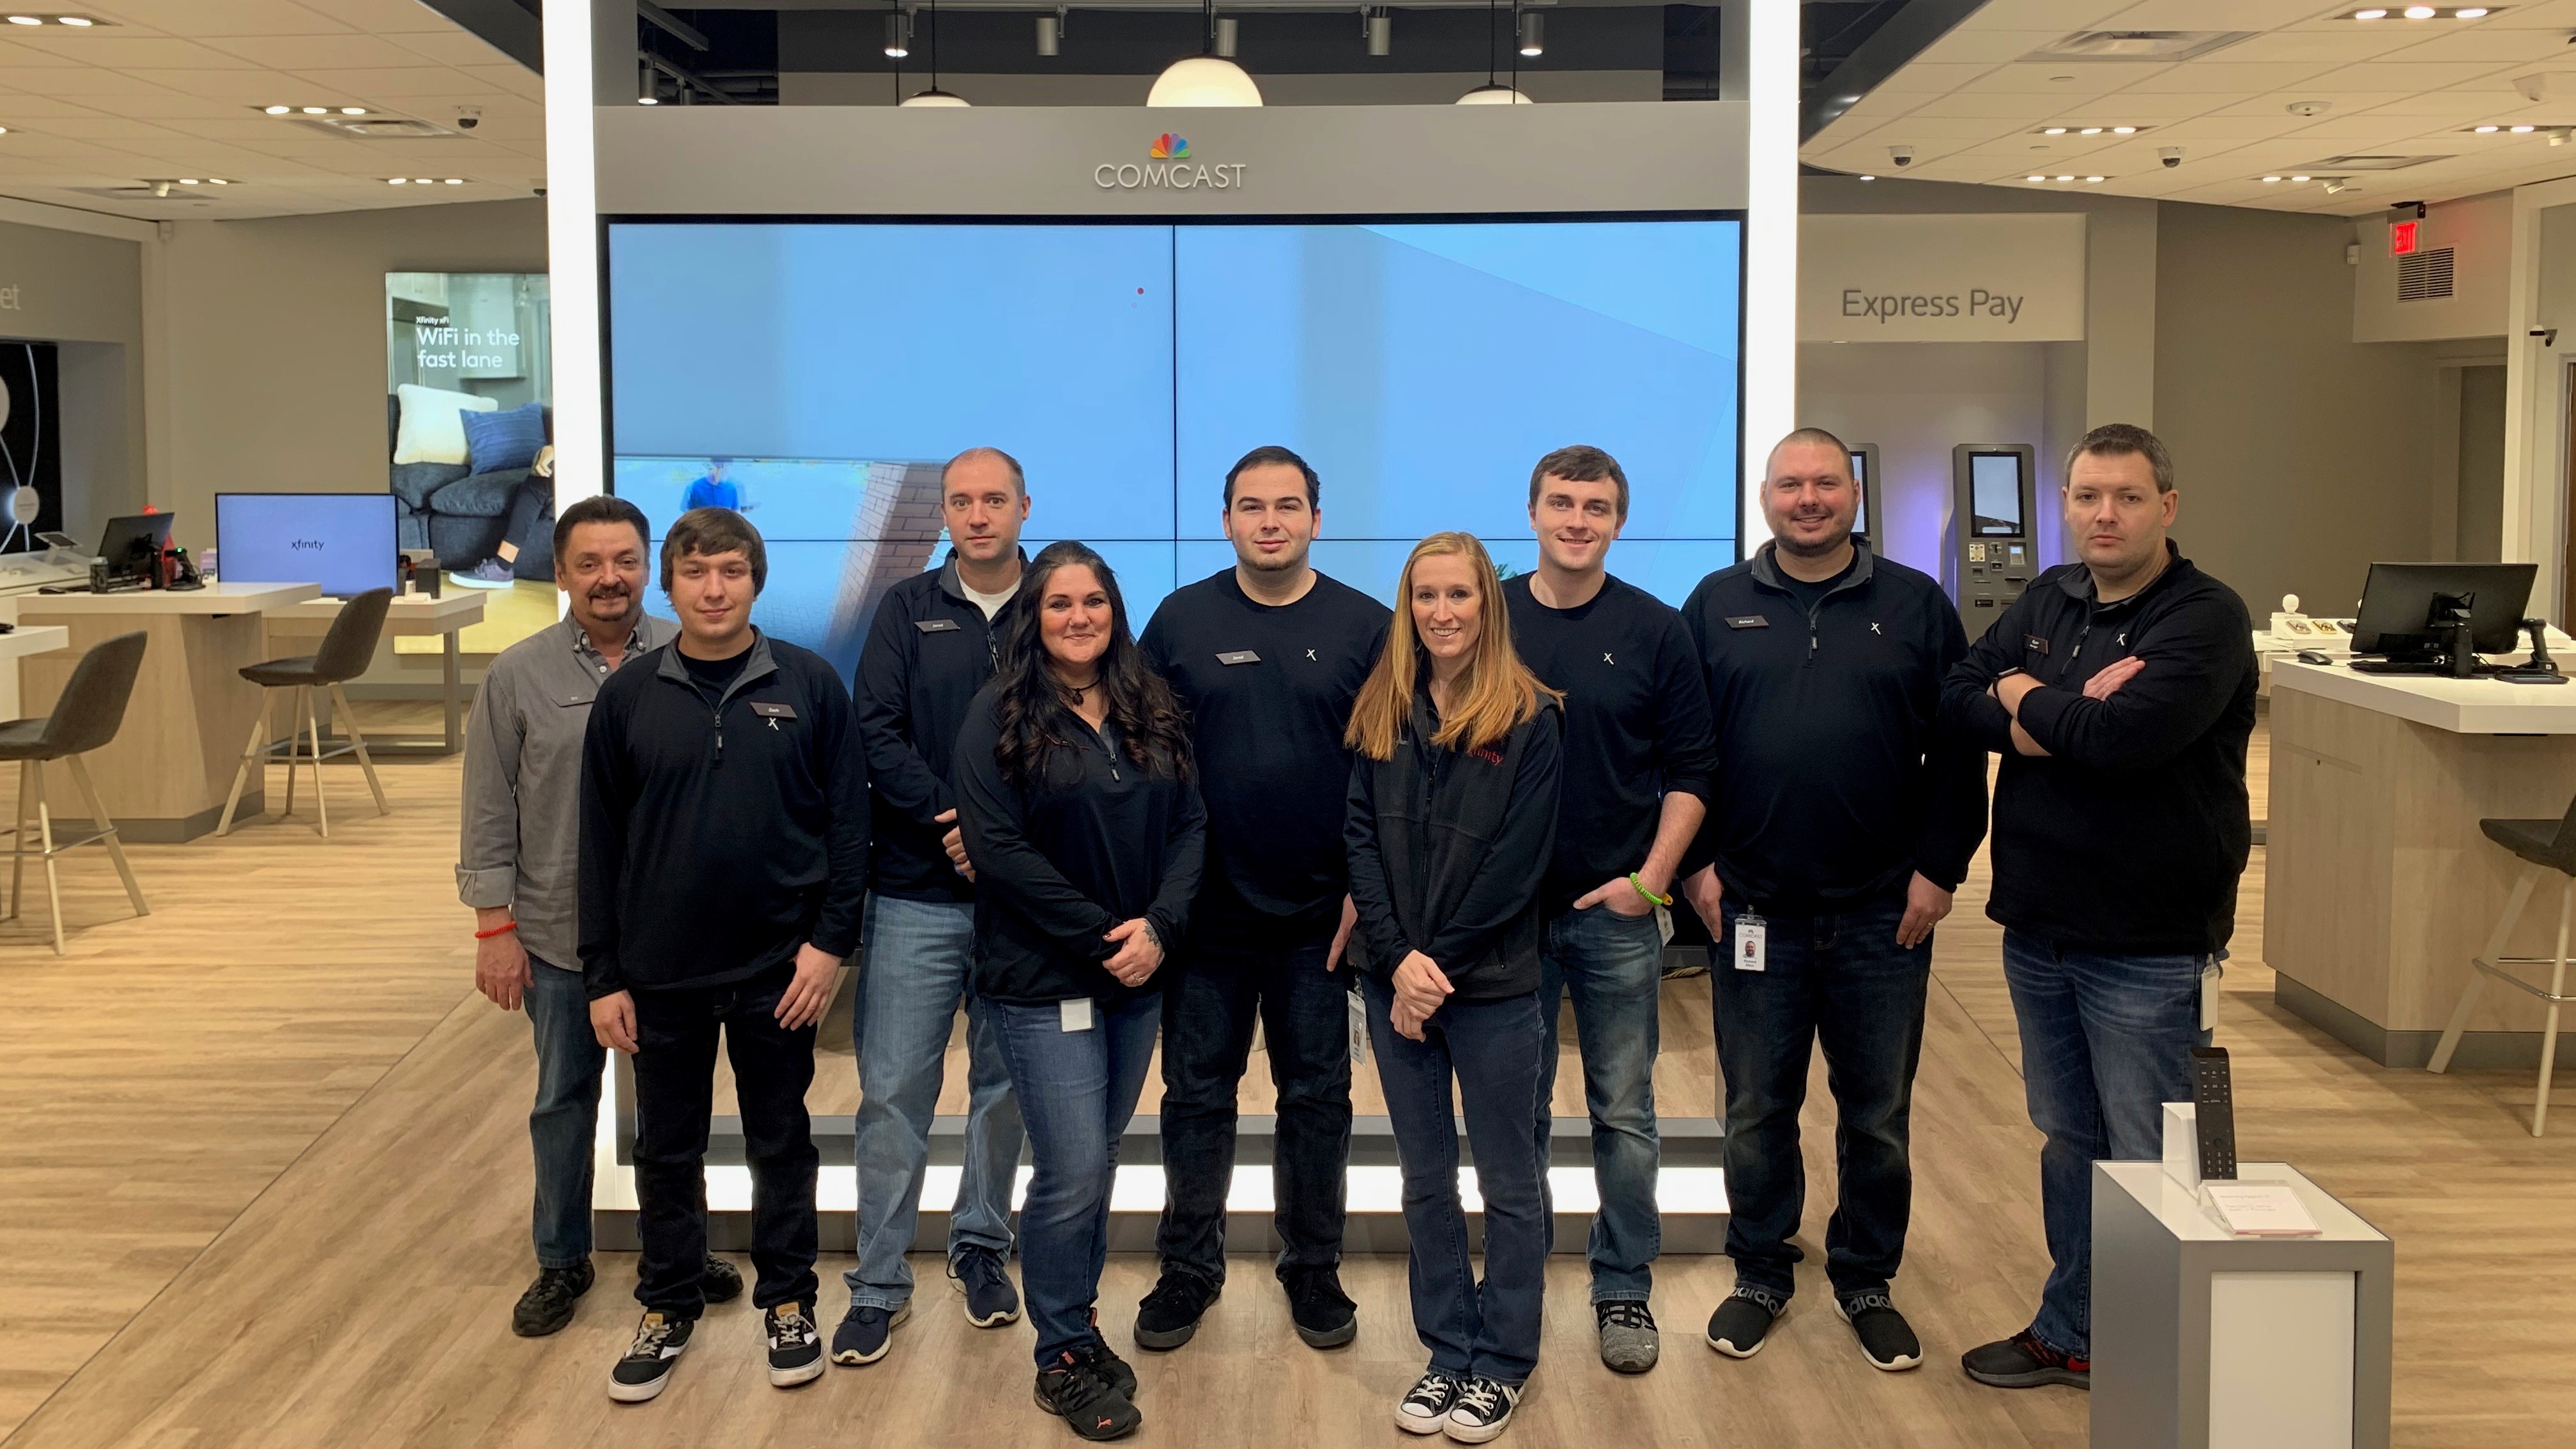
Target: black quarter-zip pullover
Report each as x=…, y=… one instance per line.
x=1835, y=782
x=721, y=827
x=929, y=648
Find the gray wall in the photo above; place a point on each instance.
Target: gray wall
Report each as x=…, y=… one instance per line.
x=2302, y=454
x=86, y=294
x=2481, y=462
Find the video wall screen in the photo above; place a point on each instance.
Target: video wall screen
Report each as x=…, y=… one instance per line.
x=815, y=374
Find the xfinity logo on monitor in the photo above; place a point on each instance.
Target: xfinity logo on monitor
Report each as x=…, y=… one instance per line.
x=300, y=544
x=1168, y=166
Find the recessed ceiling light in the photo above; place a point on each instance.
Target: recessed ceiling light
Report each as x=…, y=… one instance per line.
x=76, y=22
x=459, y=180
x=2268, y=179
x=397, y=181
x=217, y=181
x=420, y=181
x=25, y=20
x=2053, y=131
x=187, y=180
x=353, y=110
x=2092, y=178
x=2522, y=130
x=277, y=110
x=2486, y=130
x=2469, y=12
x=2090, y=131
x=2419, y=12
x=2374, y=14
x=2065, y=178
x=2298, y=178
x=2034, y=178
x=317, y=110
x=2124, y=130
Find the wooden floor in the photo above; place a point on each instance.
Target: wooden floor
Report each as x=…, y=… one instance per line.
x=265, y=1184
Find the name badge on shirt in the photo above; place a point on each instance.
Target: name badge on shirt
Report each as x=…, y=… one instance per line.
x=767, y=710
x=935, y=626
x=2037, y=643
x=1748, y=621
x=1076, y=1013
x=1752, y=941
x=1238, y=656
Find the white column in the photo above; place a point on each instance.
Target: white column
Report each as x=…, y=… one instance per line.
x=572, y=249
x=1770, y=245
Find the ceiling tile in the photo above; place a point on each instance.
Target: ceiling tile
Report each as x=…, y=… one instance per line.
x=2091, y=78
x=2213, y=76
x=2279, y=102
x=78, y=80
x=2230, y=128
x=2478, y=105
x=197, y=111
x=321, y=52
x=2211, y=15
x=2000, y=107
x=15, y=110
x=14, y=55
x=2061, y=16
x=2359, y=42
x=133, y=52
x=221, y=17
x=431, y=80
x=2547, y=15
x=1935, y=79
x=2402, y=76
x=451, y=47
x=2504, y=47
x=250, y=87
x=383, y=17
x=109, y=128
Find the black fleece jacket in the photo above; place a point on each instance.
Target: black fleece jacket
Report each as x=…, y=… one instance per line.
x=717, y=838
x=1448, y=849
x=1059, y=858
x=928, y=650
x=2129, y=836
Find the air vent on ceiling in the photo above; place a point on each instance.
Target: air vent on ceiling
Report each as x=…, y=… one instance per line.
x=375, y=128
x=2424, y=276
x=2136, y=45
x=2368, y=163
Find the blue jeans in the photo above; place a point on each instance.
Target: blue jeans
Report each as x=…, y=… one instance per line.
x=1612, y=965
x=566, y=1116
x=1077, y=1091
x=1208, y=1013
x=1492, y=1049
x=1841, y=982
x=2105, y=1042
x=914, y=970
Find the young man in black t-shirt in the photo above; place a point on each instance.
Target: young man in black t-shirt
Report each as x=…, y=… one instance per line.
x=1637, y=759
x=1266, y=657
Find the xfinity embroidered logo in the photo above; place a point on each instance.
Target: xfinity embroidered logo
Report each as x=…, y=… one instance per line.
x=1168, y=166
x=1606, y=659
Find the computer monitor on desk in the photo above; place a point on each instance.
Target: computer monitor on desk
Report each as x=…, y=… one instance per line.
x=130, y=553
x=342, y=541
x=2412, y=614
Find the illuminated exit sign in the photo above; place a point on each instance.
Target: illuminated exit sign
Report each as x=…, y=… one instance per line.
x=2401, y=238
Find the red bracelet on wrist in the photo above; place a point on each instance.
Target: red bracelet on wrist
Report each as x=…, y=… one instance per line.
x=502, y=929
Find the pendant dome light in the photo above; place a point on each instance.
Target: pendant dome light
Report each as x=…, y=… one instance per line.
x=1494, y=92
x=934, y=96
x=1205, y=79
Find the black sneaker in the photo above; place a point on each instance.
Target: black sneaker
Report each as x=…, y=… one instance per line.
x=2023, y=1362
x=719, y=1281
x=1886, y=1339
x=1484, y=1409
x=1105, y=1360
x=1425, y=1407
x=547, y=1305
x=1170, y=1314
x=646, y=1366
x=1737, y=1327
x=795, y=1345
x=991, y=1301
x=1324, y=1314
x=1076, y=1391
x=861, y=1338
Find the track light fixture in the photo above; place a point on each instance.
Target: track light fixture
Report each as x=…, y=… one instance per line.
x=898, y=36
x=1533, y=34
x=1379, y=27
x=1051, y=34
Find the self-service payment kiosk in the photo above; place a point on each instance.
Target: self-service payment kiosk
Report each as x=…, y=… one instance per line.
x=1997, y=527
x=1864, y=458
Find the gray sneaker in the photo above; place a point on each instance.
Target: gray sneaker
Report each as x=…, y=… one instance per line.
x=1629, y=1343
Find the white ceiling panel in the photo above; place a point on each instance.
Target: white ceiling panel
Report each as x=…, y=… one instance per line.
x=1932, y=79
x=2504, y=47
x=455, y=47
x=323, y=52
x=2403, y=76
x=2006, y=108
x=128, y=52
x=2211, y=15
x=2342, y=47
x=2061, y=16
x=2546, y=15
x=223, y=17
x=1990, y=47
x=2072, y=80
x=402, y=84
x=2214, y=78
x=252, y=87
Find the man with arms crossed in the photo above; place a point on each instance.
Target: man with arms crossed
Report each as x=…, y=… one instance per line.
x=724, y=842
x=514, y=866
x=2120, y=692
x=929, y=649
x=1637, y=761
x=1266, y=657
x=1843, y=820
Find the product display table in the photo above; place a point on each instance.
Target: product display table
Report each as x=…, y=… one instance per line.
x=2205, y=1340
x=2378, y=886
x=164, y=777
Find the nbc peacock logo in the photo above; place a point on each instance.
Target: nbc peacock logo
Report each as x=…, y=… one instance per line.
x=1168, y=147
x=1168, y=166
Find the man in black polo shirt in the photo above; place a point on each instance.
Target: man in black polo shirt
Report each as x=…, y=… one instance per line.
x=930, y=647
x=1266, y=657
x=1637, y=762
x=724, y=843
x=2120, y=692
x=1843, y=820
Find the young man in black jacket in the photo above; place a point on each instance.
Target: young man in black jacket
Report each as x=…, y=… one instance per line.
x=1841, y=823
x=929, y=648
x=1266, y=657
x=724, y=842
x=1638, y=756
x=2120, y=693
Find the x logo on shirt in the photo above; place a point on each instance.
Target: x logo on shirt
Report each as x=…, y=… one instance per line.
x=1606, y=659
x=1873, y=628
x=1311, y=655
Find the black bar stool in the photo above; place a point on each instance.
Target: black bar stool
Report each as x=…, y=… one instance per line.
x=87, y=717
x=344, y=655
x=2543, y=845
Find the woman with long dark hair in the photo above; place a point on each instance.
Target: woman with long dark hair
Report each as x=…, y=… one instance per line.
x=1452, y=817
x=1082, y=822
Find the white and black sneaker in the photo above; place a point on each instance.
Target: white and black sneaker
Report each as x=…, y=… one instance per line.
x=1737, y=1328
x=1425, y=1407
x=1886, y=1339
x=646, y=1366
x=1484, y=1409
x=795, y=1346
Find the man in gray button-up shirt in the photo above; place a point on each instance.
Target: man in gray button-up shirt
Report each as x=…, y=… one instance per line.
x=515, y=866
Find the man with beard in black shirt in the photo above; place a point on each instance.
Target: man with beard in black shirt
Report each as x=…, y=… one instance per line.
x=1266, y=657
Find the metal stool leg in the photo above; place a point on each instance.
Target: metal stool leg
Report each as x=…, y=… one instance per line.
x=2505, y=923
x=107, y=837
x=18, y=841
x=2549, y=1030
x=253, y=757
x=313, y=729
x=358, y=742
x=293, y=697
x=53, y=887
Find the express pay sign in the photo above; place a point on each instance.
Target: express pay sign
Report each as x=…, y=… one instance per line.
x=1941, y=278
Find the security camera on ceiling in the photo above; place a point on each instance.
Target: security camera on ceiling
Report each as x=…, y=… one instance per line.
x=1901, y=155
x=2170, y=155
x=468, y=117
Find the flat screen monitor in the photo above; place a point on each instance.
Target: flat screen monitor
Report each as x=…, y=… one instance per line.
x=819, y=372
x=132, y=542
x=342, y=541
x=2399, y=600
x=1995, y=495
x=1864, y=459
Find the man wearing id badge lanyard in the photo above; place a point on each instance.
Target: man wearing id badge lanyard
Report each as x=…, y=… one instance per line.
x=1266, y=658
x=1080, y=809
x=1841, y=822
x=1638, y=756
x=724, y=843
x=2120, y=692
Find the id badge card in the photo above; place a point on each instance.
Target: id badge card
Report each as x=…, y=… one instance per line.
x=1752, y=942
x=1076, y=1013
x=1359, y=1028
